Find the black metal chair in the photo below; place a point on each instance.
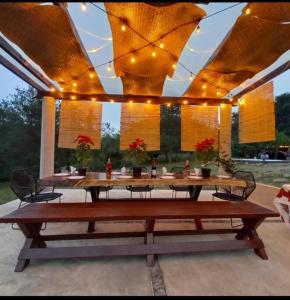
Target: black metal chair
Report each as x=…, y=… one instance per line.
x=27, y=189
x=237, y=193
x=178, y=188
x=102, y=189
x=139, y=189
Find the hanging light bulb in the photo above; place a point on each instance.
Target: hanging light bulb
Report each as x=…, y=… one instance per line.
x=93, y=99
x=218, y=91
x=73, y=97
x=185, y=102
x=52, y=89
x=204, y=86
x=154, y=53
x=191, y=77
x=174, y=66
x=74, y=84
x=91, y=75
x=204, y=104
x=161, y=45
x=148, y=101
x=112, y=100
x=84, y=6
x=109, y=67
x=61, y=89
x=248, y=11
x=123, y=27
x=198, y=29
x=168, y=104
x=130, y=101
x=133, y=60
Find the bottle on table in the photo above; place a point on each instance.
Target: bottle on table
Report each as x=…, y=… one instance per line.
x=109, y=169
x=154, y=168
x=187, y=168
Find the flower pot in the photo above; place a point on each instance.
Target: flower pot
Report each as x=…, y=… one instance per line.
x=137, y=172
x=205, y=172
x=82, y=171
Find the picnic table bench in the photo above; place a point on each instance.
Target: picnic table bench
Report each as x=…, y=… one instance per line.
x=31, y=217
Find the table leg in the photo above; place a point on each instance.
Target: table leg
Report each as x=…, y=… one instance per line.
x=194, y=192
x=149, y=239
x=95, y=195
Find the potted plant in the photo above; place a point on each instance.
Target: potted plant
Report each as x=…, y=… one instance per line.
x=83, y=153
x=137, y=154
x=205, y=153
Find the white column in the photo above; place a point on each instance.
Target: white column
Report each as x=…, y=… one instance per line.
x=47, y=137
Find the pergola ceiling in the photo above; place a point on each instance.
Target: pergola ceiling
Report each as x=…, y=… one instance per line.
x=46, y=34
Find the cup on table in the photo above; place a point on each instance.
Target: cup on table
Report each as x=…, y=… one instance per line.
x=197, y=171
x=164, y=171
x=123, y=171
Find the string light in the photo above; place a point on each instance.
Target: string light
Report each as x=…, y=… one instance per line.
x=185, y=102
x=74, y=84
x=161, y=45
x=218, y=91
x=52, y=89
x=248, y=11
x=197, y=29
x=168, y=104
x=204, y=104
x=109, y=67
x=61, y=89
x=133, y=60
x=154, y=53
x=93, y=99
x=123, y=27
x=92, y=75
x=174, y=66
x=130, y=101
x=231, y=99
x=204, y=86
x=112, y=101
x=84, y=6
x=148, y=101
x=191, y=77
x=73, y=97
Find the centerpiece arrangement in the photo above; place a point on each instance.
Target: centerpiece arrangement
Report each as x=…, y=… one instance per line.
x=83, y=153
x=138, y=155
x=206, y=153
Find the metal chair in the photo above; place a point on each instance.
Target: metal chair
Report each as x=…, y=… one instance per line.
x=178, y=188
x=26, y=188
x=102, y=189
x=237, y=193
x=139, y=189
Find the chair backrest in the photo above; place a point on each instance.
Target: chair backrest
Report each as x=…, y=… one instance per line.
x=22, y=184
x=251, y=184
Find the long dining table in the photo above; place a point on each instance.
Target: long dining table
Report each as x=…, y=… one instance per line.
x=95, y=180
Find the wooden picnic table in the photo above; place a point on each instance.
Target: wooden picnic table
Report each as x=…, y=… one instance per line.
x=94, y=180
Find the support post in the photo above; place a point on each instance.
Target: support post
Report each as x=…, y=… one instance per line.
x=47, y=137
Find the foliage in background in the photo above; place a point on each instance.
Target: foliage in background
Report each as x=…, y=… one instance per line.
x=83, y=153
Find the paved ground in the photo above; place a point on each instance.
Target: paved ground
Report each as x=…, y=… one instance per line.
x=221, y=273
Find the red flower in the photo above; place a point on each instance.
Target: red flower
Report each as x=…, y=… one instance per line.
x=83, y=139
x=205, y=145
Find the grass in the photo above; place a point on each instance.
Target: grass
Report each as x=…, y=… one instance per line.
x=274, y=174
x=6, y=194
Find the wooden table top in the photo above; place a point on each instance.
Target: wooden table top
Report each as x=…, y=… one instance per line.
x=128, y=210
x=99, y=179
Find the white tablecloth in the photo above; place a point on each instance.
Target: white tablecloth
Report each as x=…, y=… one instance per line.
x=282, y=202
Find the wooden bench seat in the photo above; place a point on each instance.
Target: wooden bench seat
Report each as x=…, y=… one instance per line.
x=30, y=218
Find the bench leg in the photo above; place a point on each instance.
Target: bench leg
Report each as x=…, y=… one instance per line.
x=149, y=239
x=95, y=195
x=249, y=231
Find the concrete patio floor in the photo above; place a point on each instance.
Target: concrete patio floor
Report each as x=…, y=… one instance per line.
x=218, y=273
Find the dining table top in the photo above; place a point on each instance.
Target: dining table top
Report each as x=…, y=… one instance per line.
x=99, y=179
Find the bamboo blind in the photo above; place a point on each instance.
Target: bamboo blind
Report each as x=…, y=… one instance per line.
x=140, y=121
x=197, y=124
x=257, y=115
x=80, y=118
x=225, y=134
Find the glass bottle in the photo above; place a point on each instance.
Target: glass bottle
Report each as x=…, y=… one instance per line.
x=154, y=168
x=187, y=168
x=109, y=169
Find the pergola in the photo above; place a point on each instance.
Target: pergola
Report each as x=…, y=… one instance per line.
x=48, y=36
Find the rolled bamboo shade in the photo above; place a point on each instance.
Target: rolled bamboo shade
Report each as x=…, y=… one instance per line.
x=79, y=118
x=197, y=124
x=225, y=133
x=257, y=115
x=45, y=34
x=140, y=121
x=146, y=76
x=253, y=44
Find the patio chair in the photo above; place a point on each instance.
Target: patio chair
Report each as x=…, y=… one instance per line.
x=102, y=189
x=237, y=193
x=27, y=190
x=140, y=189
x=178, y=188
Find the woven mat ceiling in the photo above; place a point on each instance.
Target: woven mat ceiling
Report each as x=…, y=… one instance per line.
x=146, y=76
x=255, y=42
x=45, y=34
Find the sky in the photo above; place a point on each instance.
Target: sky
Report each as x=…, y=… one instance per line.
x=93, y=28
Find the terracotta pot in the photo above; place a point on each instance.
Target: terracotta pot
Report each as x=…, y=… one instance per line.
x=137, y=172
x=205, y=172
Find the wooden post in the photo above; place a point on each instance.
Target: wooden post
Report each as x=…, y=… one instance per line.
x=47, y=137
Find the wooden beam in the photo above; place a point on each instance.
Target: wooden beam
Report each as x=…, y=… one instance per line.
x=21, y=60
x=137, y=99
x=8, y=65
x=283, y=68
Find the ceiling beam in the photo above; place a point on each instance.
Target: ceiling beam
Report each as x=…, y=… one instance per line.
x=23, y=62
x=283, y=68
x=138, y=99
x=11, y=67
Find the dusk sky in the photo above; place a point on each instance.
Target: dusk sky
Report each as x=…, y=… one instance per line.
x=94, y=30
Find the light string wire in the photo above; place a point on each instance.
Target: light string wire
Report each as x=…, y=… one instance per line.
x=153, y=43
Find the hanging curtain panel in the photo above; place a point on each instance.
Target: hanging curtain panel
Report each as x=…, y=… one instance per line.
x=79, y=118
x=197, y=124
x=257, y=115
x=225, y=135
x=140, y=121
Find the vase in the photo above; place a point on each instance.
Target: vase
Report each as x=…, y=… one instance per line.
x=82, y=171
x=205, y=172
x=137, y=172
